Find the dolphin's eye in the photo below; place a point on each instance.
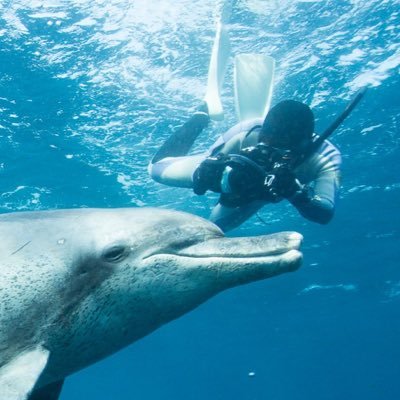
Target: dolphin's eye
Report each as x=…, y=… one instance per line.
x=115, y=253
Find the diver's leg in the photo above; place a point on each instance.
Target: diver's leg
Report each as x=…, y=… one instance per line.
x=180, y=142
x=228, y=218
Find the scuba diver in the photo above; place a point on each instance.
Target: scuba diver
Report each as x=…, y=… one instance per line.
x=257, y=162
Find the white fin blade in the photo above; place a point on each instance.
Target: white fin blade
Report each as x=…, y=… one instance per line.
x=253, y=80
x=219, y=58
x=19, y=376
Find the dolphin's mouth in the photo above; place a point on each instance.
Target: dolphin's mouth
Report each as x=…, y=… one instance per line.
x=234, y=261
x=283, y=246
x=244, y=247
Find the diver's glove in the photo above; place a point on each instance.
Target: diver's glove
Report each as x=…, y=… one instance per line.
x=286, y=186
x=303, y=195
x=231, y=175
x=281, y=184
x=208, y=174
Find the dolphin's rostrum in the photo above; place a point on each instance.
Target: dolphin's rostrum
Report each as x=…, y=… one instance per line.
x=78, y=285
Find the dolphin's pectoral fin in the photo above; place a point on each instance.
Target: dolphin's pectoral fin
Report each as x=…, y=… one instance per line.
x=49, y=392
x=19, y=376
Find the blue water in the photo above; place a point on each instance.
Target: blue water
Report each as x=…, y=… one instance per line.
x=89, y=90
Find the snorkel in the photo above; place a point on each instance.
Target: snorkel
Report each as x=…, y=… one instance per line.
x=317, y=142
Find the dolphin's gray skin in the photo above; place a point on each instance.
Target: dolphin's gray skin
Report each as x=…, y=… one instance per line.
x=78, y=285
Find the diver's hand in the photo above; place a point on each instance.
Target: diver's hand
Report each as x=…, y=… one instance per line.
x=208, y=174
x=281, y=184
x=225, y=174
x=286, y=182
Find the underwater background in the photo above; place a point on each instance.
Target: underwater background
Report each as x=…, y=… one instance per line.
x=88, y=92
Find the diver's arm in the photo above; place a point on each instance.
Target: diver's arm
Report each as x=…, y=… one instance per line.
x=172, y=166
x=317, y=203
x=201, y=172
x=176, y=171
x=189, y=171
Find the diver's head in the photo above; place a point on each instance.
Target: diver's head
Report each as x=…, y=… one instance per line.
x=288, y=125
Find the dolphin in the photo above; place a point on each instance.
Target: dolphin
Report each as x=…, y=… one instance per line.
x=78, y=285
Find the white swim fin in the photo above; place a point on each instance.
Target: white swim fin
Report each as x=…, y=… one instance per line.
x=219, y=59
x=254, y=81
x=19, y=376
